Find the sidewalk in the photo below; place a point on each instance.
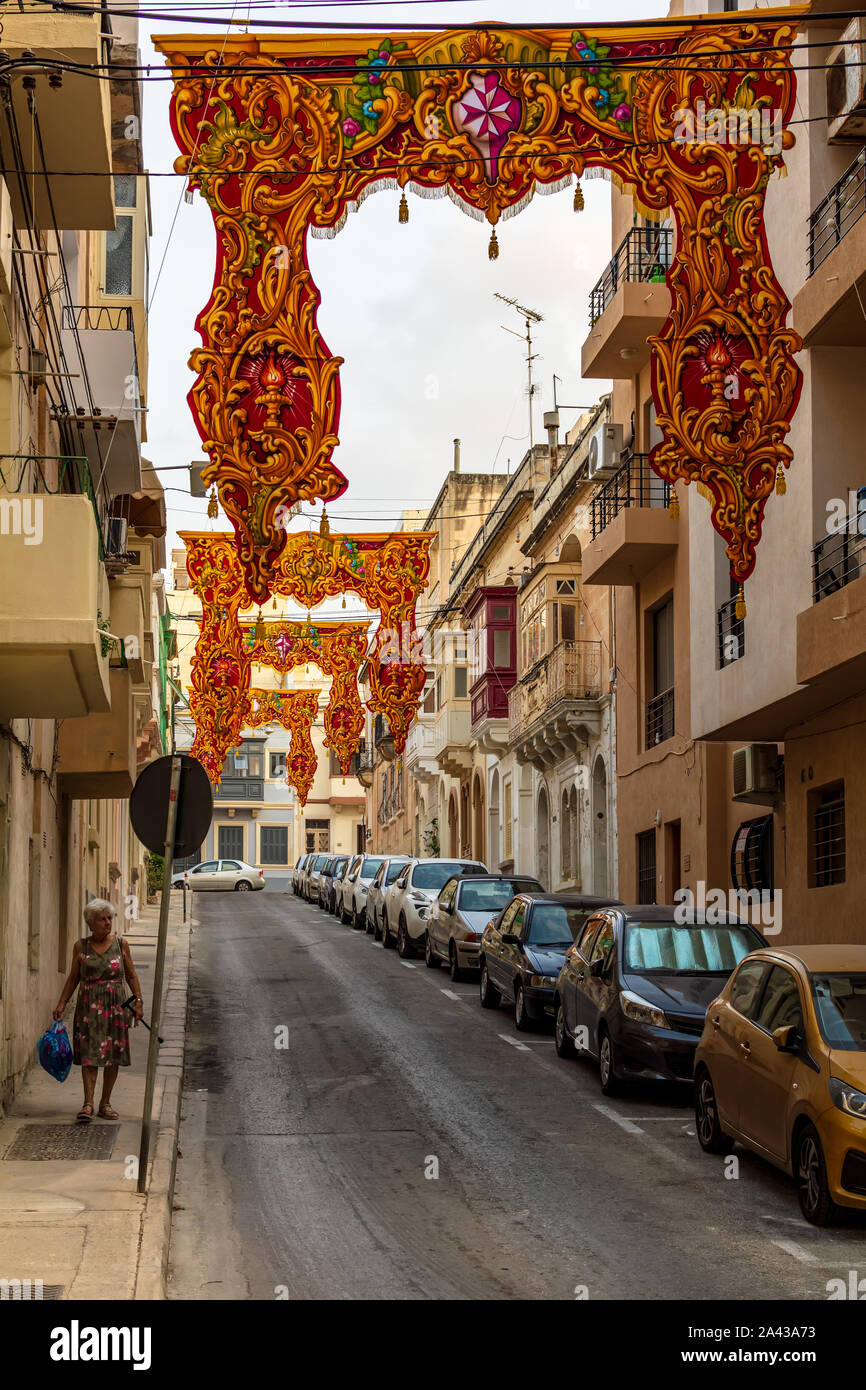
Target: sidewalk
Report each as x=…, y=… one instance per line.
x=78, y=1223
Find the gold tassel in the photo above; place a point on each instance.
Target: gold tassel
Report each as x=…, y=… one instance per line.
x=781, y=485
x=213, y=510
x=578, y=197
x=674, y=504
x=275, y=603
x=259, y=630
x=344, y=600
x=493, y=248
x=324, y=524
x=740, y=606
x=403, y=210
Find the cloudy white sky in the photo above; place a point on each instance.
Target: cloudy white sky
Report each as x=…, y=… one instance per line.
x=410, y=308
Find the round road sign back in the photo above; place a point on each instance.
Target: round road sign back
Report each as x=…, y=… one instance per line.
x=148, y=806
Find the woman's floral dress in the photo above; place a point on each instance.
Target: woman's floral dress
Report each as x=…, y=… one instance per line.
x=100, y=1035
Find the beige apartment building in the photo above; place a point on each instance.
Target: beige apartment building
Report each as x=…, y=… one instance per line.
x=84, y=634
x=739, y=741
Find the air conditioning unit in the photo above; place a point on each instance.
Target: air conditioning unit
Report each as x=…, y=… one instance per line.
x=756, y=771
x=605, y=447
x=116, y=532
x=846, y=86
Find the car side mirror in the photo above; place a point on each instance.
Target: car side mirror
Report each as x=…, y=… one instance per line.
x=598, y=968
x=788, y=1039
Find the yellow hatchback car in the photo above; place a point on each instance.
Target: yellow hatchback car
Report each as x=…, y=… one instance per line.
x=781, y=1066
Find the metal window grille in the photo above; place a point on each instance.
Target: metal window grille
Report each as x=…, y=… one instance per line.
x=646, y=866
x=730, y=633
x=828, y=838
x=660, y=718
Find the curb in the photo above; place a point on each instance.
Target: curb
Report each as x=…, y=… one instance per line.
x=156, y=1220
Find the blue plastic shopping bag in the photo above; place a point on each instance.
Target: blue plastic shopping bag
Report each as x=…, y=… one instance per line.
x=55, y=1051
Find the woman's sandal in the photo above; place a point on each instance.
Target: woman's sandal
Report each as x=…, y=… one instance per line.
x=83, y=1118
x=106, y=1112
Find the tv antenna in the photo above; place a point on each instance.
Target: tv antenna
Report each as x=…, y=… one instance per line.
x=530, y=316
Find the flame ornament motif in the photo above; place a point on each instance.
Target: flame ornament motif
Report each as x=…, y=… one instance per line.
x=284, y=136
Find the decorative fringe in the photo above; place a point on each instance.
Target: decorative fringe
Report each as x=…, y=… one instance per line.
x=493, y=248
x=578, y=197
x=704, y=490
x=781, y=485
x=674, y=504
x=740, y=606
x=403, y=210
x=213, y=510
x=327, y=233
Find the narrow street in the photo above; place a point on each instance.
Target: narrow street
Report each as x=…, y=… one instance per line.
x=303, y=1170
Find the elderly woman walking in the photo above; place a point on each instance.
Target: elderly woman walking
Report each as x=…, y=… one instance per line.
x=100, y=1036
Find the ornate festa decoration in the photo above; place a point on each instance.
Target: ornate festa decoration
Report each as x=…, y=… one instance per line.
x=288, y=134
x=295, y=710
x=388, y=572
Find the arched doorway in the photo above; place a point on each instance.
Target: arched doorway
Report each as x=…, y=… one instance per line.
x=493, y=823
x=478, y=819
x=453, y=832
x=542, y=838
x=599, y=828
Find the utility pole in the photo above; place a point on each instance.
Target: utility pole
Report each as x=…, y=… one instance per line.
x=530, y=316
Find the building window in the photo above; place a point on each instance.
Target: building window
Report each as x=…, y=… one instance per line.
x=461, y=682
x=752, y=856
x=660, y=708
x=533, y=627
x=506, y=818
x=646, y=866
x=125, y=190
x=274, y=844
x=826, y=809
x=231, y=841
x=278, y=766
x=118, y=258
x=245, y=761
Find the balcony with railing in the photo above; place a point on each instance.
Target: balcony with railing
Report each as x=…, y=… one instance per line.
x=99, y=345
x=419, y=758
x=828, y=309
x=730, y=633
x=632, y=528
x=831, y=633
x=54, y=599
x=629, y=303
x=556, y=706
x=660, y=718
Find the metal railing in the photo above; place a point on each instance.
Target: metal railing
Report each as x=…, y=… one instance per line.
x=572, y=671
x=730, y=633
x=838, y=211
x=643, y=255
x=635, y=485
x=837, y=560
x=660, y=718
x=116, y=317
x=25, y=473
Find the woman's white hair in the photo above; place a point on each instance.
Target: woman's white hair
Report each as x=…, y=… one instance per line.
x=95, y=908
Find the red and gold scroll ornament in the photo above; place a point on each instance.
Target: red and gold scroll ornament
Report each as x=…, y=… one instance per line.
x=295, y=711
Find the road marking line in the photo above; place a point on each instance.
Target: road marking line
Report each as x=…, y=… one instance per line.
x=791, y=1247
x=628, y=1125
x=408, y=964
x=449, y=993
x=521, y=1047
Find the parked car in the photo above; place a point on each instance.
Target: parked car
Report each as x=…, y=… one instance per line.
x=389, y=871
x=781, y=1066
x=332, y=870
x=523, y=948
x=303, y=873
x=407, y=902
x=224, y=875
x=356, y=885
x=296, y=873
x=311, y=884
x=461, y=912
x=633, y=991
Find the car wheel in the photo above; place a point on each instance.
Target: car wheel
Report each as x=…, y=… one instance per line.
x=387, y=938
x=610, y=1083
x=342, y=914
x=431, y=960
x=562, y=1042
x=369, y=924
x=522, y=1021
x=242, y=887
x=816, y=1204
x=359, y=920
x=487, y=991
x=454, y=964
x=404, y=941
x=711, y=1136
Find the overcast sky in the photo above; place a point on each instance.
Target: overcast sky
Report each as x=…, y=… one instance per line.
x=410, y=308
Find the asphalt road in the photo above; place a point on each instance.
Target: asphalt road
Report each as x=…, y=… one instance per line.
x=407, y=1144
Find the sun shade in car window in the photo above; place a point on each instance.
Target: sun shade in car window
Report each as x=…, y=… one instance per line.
x=668, y=946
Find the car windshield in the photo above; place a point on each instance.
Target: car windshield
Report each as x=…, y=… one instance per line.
x=840, y=1003
x=370, y=868
x=393, y=872
x=490, y=895
x=436, y=875
x=554, y=924
x=674, y=948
